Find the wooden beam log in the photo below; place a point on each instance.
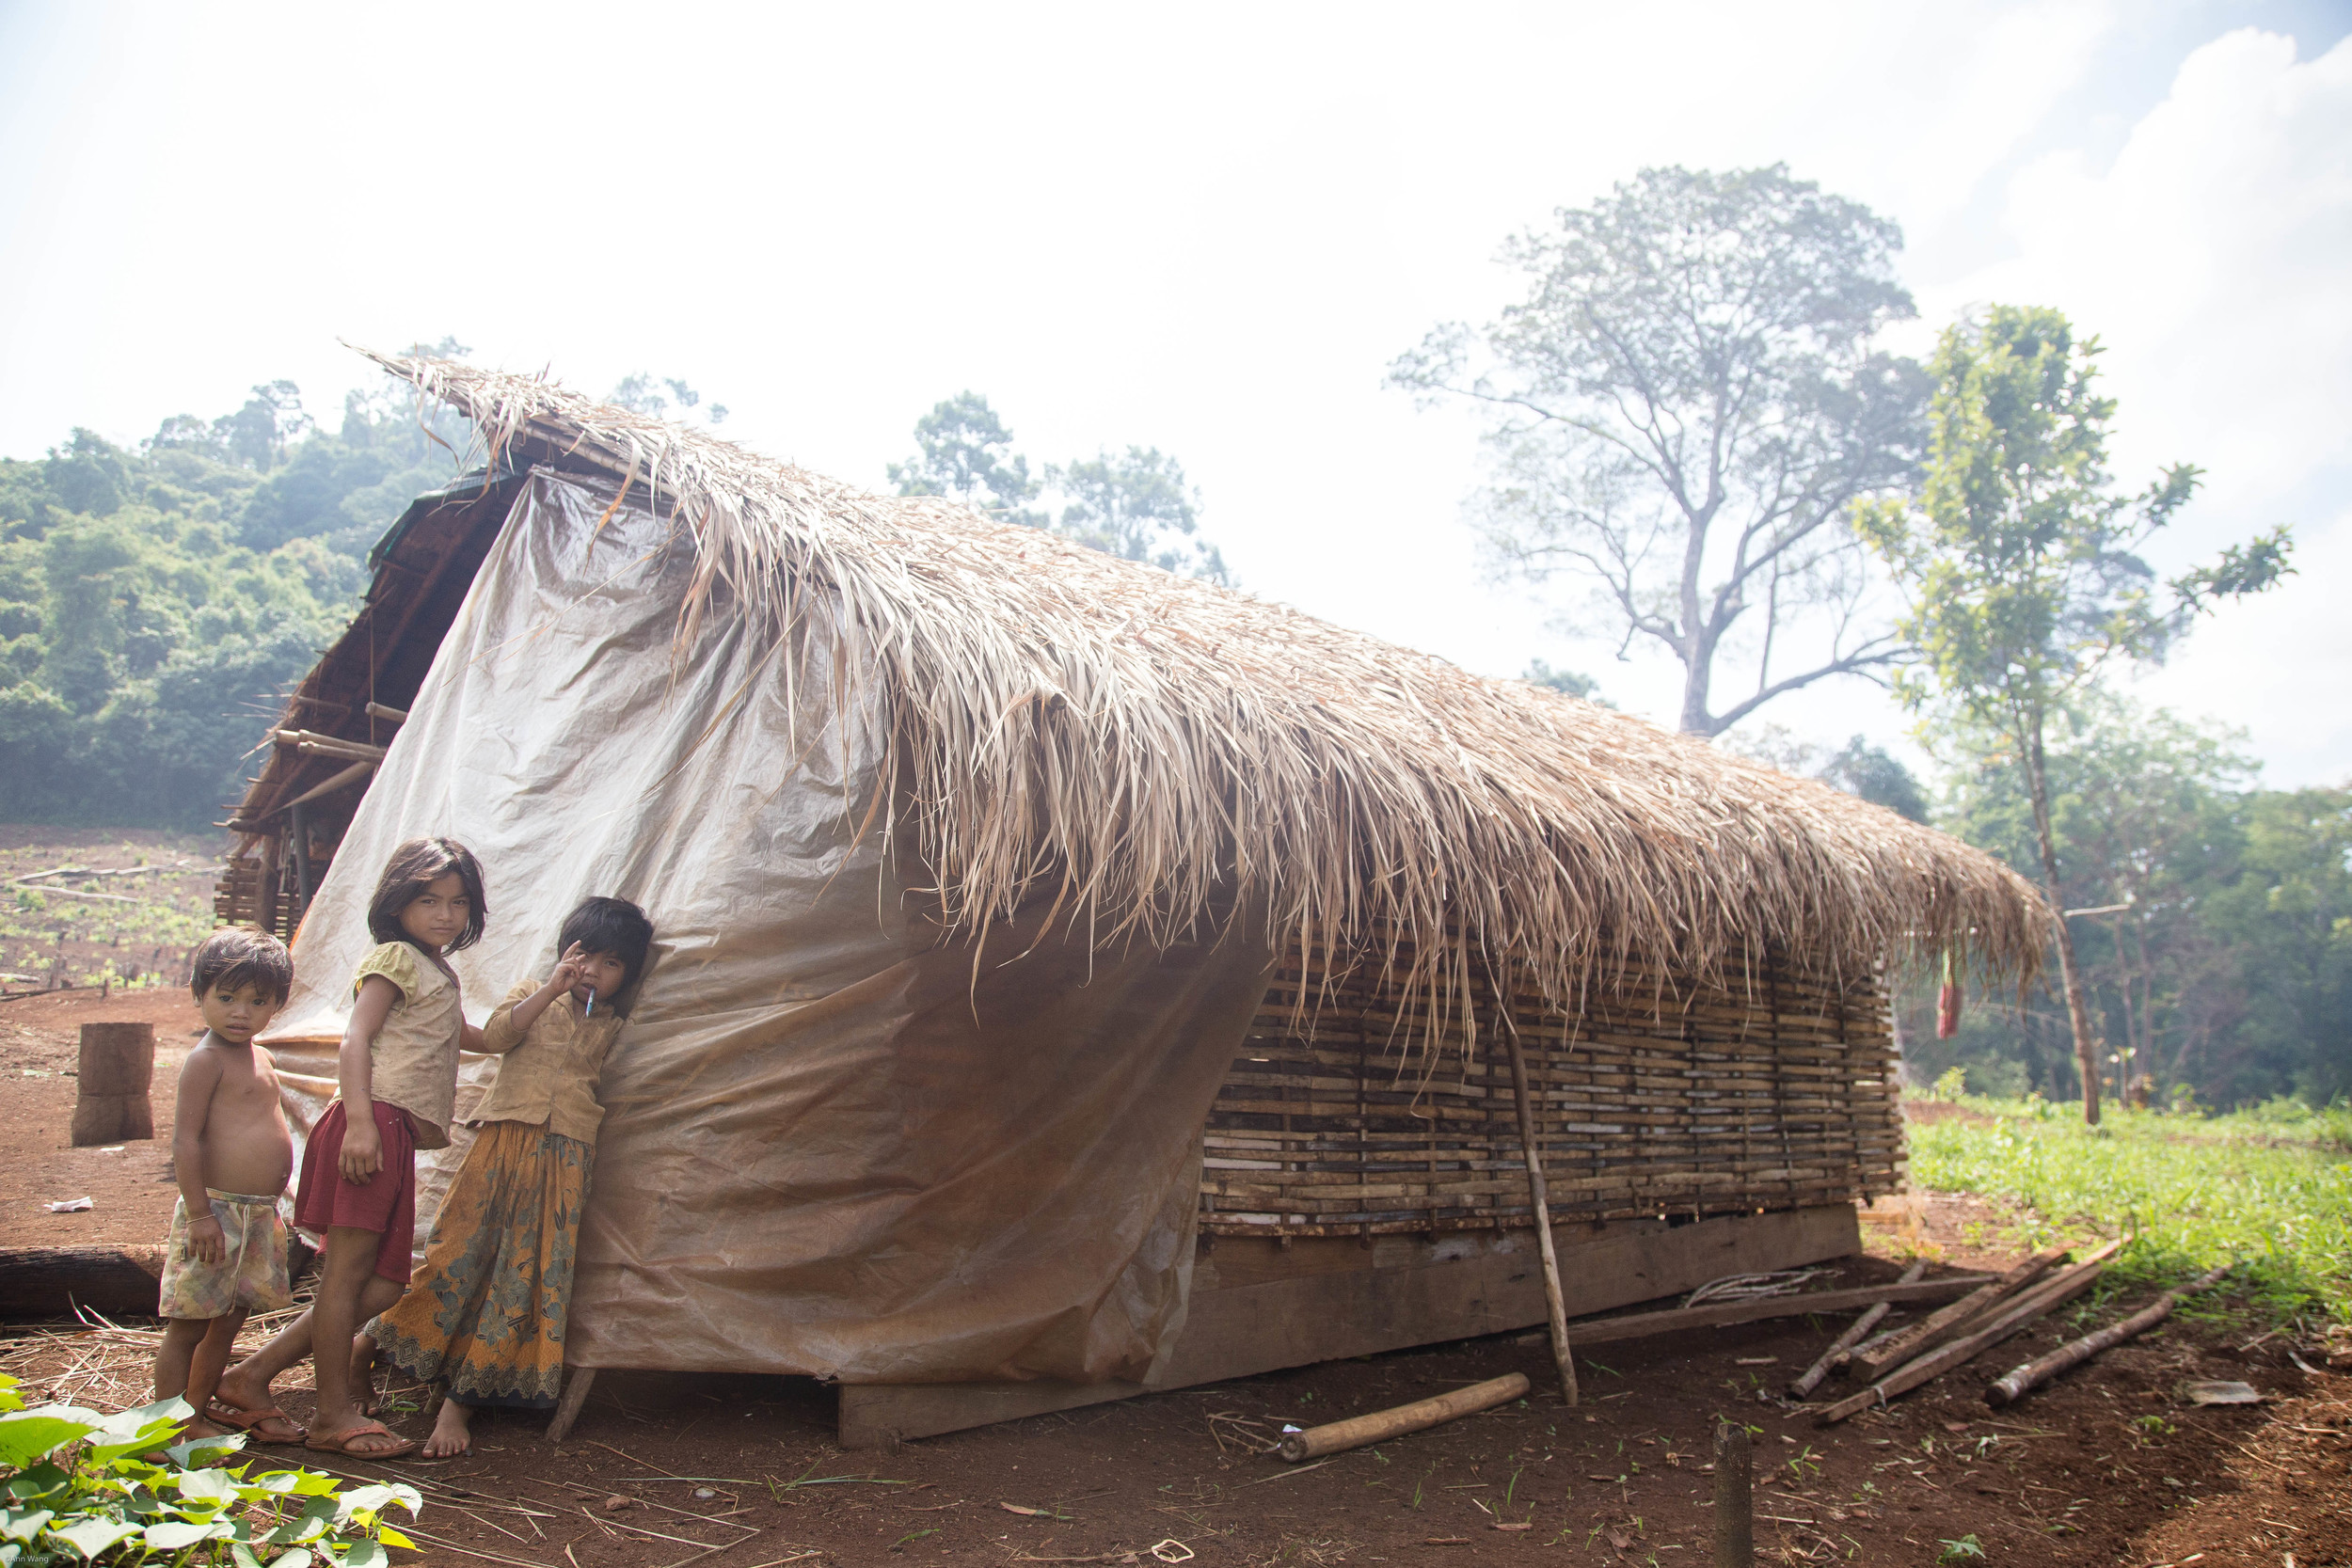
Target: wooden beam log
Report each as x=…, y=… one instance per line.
x=1934, y=1330
x=1358, y=1431
x=1854, y=1335
x=47, y=1282
x=1256, y=1308
x=2075, y=1353
x=2043, y=1298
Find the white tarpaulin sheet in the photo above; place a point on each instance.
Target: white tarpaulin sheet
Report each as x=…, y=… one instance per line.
x=836, y=1144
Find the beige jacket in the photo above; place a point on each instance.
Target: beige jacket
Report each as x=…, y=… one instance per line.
x=413, y=1061
x=549, y=1071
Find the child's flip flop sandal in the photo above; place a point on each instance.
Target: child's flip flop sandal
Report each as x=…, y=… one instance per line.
x=341, y=1443
x=249, y=1422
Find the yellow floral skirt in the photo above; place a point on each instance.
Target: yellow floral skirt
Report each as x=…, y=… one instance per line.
x=485, y=1315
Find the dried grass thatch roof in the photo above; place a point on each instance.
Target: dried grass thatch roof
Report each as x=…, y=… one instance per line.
x=1151, y=749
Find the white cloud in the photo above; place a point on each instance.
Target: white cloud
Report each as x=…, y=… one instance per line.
x=2210, y=257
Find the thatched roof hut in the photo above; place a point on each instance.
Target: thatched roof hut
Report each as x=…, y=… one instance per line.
x=1066, y=772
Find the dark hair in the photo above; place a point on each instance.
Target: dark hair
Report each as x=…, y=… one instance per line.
x=232, y=957
x=612, y=926
x=415, y=866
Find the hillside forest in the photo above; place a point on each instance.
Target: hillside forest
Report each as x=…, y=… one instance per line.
x=159, y=598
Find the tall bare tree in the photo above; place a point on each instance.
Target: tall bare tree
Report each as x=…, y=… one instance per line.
x=1683, y=410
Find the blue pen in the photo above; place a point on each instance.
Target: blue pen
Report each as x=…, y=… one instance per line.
x=592, y=1003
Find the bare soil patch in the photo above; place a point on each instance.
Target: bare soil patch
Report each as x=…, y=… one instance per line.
x=129, y=1185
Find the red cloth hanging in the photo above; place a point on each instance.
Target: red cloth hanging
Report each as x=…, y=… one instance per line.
x=1947, y=1002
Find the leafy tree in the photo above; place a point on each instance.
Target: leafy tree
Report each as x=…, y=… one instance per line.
x=1137, y=507
x=154, y=602
x=1681, y=412
x=643, y=393
x=1858, y=767
x=1134, y=504
x=257, y=434
x=2145, y=813
x=1869, y=771
x=2019, y=558
x=1574, y=682
x=2287, y=919
x=964, y=451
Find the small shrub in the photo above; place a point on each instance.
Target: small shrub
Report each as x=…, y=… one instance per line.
x=77, y=1487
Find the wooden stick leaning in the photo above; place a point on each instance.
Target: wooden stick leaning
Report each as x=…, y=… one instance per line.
x=2076, y=1352
x=2045, y=1297
x=1634, y=1325
x=1933, y=1331
x=578, y=1381
x=1381, y=1425
x=1836, y=1355
x=1562, y=1356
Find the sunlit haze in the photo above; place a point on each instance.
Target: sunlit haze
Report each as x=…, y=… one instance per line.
x=1207, y=228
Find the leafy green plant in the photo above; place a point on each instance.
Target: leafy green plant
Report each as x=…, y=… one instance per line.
x=80, y=1487
x=1966, y=1549
x=2270, y=1188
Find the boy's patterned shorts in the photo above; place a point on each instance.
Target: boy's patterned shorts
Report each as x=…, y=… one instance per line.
x=251, y=1274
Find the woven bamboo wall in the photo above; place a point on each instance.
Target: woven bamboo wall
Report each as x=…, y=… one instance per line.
x=1775, y=1093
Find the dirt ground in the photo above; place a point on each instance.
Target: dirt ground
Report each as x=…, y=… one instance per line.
x=128, y=1184
x=2108, y=1466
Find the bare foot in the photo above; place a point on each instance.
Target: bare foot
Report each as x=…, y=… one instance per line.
x=453, y=1433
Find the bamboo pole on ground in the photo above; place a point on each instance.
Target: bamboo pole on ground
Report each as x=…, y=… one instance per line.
x=1853, y=1336
x=1381, y=1425
x=2075, y=1353
x=1563, y=1353
x=2045, y=1297
x=1933, y=1331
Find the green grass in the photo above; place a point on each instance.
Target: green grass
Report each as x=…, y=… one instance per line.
x=2270, y=1188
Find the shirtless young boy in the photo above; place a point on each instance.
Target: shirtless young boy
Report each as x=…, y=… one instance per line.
x=231, y=1148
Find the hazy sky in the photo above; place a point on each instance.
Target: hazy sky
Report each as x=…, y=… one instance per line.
x=1203, y=227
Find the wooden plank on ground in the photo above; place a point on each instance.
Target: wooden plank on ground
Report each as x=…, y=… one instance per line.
x=1490, y=1284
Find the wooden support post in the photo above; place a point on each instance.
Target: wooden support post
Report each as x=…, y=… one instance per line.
x=1734, y=1508
x=1563, y=1353
x=118, y=1065
x=577, y=1381
x=298, y=827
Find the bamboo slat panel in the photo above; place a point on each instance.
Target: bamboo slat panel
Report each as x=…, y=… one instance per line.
x=1775, y=1090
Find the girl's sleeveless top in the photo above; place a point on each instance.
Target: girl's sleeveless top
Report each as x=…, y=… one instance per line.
x=415, y=1054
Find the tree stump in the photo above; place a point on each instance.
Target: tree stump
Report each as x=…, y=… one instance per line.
x=117, y=1065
